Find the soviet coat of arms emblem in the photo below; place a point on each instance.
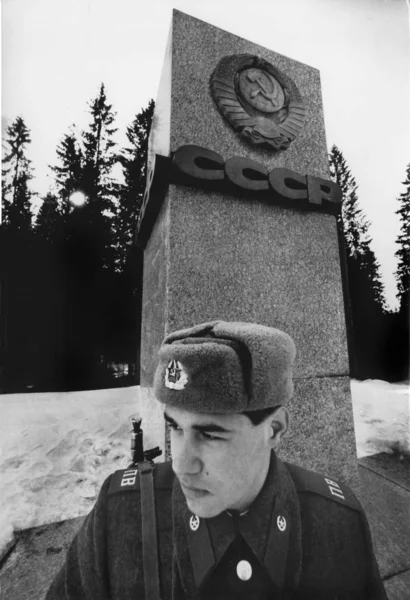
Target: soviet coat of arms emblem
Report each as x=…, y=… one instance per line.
x=260, y=102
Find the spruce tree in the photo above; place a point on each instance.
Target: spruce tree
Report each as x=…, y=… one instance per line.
x=99, y=154
x=403, y=241
x=97, y=182
x=68, y=173
x=356, y=226
x=49, y=219
x=354, y=223
x=400, y=330
x=134, y=163
x=87, y=253
x=123, y=316
x=16, y=173
x=19, y=212
x=364, y=281
x=17, y=257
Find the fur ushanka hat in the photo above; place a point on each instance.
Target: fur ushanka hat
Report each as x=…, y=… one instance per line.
x=225, y=367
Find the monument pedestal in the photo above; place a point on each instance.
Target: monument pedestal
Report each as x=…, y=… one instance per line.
x=212, y=254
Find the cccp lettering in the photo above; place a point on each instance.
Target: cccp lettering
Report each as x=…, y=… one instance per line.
x=247, y=174
x=320, y=190
x=198, y=163
x=288, y=184
x=200, y=166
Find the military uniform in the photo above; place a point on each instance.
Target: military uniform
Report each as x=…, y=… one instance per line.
x=304, y=537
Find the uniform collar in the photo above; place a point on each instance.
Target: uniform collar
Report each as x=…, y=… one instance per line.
x=271, y=528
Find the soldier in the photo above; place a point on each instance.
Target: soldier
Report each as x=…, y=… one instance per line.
x=227, y=519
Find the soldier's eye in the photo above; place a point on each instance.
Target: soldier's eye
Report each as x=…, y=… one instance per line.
x=208, y=436
x=174, y=426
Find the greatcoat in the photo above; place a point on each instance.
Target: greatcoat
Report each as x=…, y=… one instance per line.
x=304, y=537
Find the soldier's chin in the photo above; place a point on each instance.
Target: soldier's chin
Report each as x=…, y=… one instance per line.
x=204, y=508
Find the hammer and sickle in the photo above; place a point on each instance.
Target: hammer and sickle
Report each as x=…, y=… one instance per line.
x=272, y=96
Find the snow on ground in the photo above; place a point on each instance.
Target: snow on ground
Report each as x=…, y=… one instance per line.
x=56, y=451
x=381, y=414
x=57, y=448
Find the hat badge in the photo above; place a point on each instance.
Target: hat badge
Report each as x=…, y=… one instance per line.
x=176, y=377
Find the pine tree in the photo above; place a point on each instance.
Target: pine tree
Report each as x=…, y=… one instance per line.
x=134, y=161
x=16, y=261
x=97, y=181
x=19, y=211
x=49, y=222
x=355, y=225
x=6, y=189
x=400, y=327
x=403, y=241
x=99, y=155
x=364, y=281
x=123, y=311
x=16, y=174
x=69, y=172
x=87, y=253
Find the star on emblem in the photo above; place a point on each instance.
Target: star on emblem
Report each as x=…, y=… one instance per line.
x=174, y=371
x=194, y=522
x=175, y=376
x=281, y=523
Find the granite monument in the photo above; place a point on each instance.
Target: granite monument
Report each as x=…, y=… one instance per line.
x=239, y=223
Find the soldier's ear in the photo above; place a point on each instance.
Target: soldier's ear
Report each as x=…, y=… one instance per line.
x=279, y=425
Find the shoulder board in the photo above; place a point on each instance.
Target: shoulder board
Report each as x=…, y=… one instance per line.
x=127, y=480
x=315, y=483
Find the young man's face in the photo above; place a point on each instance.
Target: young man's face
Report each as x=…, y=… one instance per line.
x=221, y=461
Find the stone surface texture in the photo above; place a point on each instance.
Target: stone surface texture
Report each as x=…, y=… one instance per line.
x=154, y=295
x=398, y=587
x=321, y=429
x=27, y=572
x=394, y=467
x=197, y=48
x=387, y=506
x=160, y=134
x=246, y=260
x=215, y=256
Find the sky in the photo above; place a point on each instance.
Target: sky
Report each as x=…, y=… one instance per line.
x=56, y=53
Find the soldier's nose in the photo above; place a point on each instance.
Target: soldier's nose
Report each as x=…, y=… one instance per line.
x=185, y=460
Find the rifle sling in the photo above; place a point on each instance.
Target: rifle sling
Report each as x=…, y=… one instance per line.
x=149, y=531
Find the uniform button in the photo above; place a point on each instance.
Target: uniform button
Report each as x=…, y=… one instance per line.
x=194, y=522
x=244, y=570
x=281, y=523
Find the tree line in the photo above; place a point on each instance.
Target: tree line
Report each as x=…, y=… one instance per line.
x=71, y=276
x=378, y=337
